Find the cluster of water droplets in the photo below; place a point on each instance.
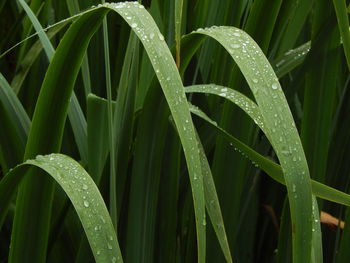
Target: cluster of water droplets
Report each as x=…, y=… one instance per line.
x=153, y=40
x=82, y=191
x=234, y=96
x=294, y=54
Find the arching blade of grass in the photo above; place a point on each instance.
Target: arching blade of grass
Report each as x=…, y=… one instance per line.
x=31, y=56
x=271, y=168
x=144, y=27
x=75, y=113
x=84, y=195
x=34, y=197
x=281, y=130
x=58, y=86
x=242, y=101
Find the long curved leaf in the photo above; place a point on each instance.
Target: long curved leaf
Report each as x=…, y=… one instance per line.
x=273, y=169
x=34, y=199
x=282, y=132
x=84, y=195
x=73, y=46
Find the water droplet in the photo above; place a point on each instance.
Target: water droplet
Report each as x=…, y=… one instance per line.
x=133, y=25
x=98, y=252
x=151, y=36
x=109, y=246
x=86, y=203
x=255, y=80
x=274, y=86
x=85, y=187
x=236, y=34
x=160, y=36
x=204, y=222
x=293, y=188
x=286, y=152
x=235, y=46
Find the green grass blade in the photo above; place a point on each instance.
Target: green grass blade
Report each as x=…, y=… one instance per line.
x=290, y=60
x=284, y=249
x=77, y=119
x=178, y=24
x=44, y=39
x=271, y=168
x=246, y=104
x=85, y=197
x=14, y=126
x=30, y=58
x=35, y=194
x=343, y=252
x=75, y=113
x=124, y=112
x=276, y=113
x=97, y=128
x=149, y=152
x=213, y=206
x=289, y=25
x=73, y=7
x=169, y=78
x=316, y=254
x=111, y=132
x=14, y=109
x=343, y=24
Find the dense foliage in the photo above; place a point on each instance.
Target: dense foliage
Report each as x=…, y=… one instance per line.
x=114, y=106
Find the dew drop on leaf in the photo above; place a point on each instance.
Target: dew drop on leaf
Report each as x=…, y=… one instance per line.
x=274, y=86
x=160, y=36
x=109, y=246
x=236, y=46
